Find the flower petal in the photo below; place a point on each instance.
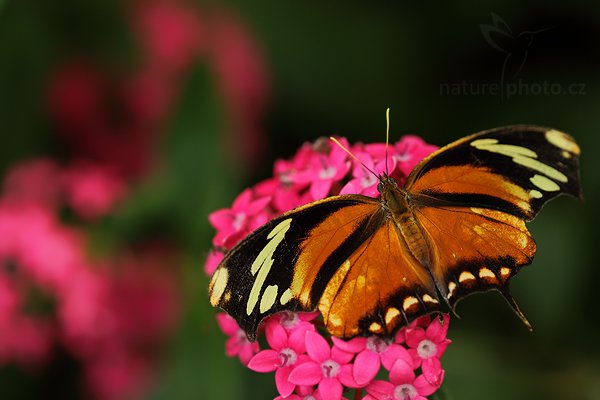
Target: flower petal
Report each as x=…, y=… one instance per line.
x=265, y=361
x=308, y=373
x=347, y=379
x=227, y=324
x=401, y=373
x=432, y=370
x=284, y=386
x=424, y=387
x=220, y=219
x=414, y=337
x=276, y=334
x=330, y=389
x=354, y=346
x=242, y=202
x=340, y=356
x=437, y=330
x=395, y=352
x=320, y=188
x=317, y=347
x=381, y=390
x=297, y=338
x=366, y=366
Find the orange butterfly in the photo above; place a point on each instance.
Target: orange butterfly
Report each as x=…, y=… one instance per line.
x=372, y=265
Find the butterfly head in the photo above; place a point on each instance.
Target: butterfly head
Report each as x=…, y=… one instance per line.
x=386, y=183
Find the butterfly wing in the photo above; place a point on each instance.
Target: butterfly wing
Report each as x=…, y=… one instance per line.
x=378, y=288
x=473, y=197
x=286, y=263
x=340, y=255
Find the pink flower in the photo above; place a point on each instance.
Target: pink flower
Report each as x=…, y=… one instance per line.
x=237, y=344
x=364, y=182
x=92, y=190
x=171, y=33
x=246, y=214
x=305, y=393
x=295, y=320
x=402, y=386
x=428, y=345
x=286, y=351
x=411, y=149
x=371, y=353
x=35, y=181
x=324, y=170
x=328, y=368
x=212, y=261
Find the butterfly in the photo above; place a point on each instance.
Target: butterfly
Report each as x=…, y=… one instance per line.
x=370, y=266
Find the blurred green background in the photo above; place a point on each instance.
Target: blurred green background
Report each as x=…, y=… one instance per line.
x=332, y=68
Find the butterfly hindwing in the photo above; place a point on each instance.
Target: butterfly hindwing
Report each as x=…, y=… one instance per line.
x=378, y=288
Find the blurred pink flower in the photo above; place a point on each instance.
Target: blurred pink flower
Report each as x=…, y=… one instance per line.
x=33, y=182
x=410, y=150
x=172, y=34
x=243, y=81
x=91, y=190
x=212, y=261
x=402, y=386
x=237, y=344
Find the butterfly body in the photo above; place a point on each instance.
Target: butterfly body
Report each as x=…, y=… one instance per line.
x=370, y=266
x=396, y=202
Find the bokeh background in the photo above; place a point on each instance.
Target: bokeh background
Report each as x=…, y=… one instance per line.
x=124, y=123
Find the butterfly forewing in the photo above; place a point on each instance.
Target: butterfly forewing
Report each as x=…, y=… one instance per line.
x=514, y=169
x=286, y=264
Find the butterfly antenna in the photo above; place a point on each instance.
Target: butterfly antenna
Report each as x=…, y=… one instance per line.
x=387, y=139
x=353, y=156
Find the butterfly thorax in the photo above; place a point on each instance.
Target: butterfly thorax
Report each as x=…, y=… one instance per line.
x=395, y=202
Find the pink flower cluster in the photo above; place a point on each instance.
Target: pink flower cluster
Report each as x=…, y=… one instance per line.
x=172, y=35
x=110, y=314
x=308, y=364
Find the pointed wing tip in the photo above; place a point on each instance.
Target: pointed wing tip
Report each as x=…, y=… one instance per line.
x=513, y=304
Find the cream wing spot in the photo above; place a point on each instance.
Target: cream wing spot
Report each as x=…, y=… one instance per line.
x=562, y=141
x=409, y=302
x=544, y=183
x=391, y=314
x=451, y=289
x=268, y=298
x=504, y=272
x=466, y=276
x=520, y=155
x=536, y=194
x=428, y=299
x=286, y=297
x=375, y=327
x=218, y=285
x=263, y=262
x=486, y=273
